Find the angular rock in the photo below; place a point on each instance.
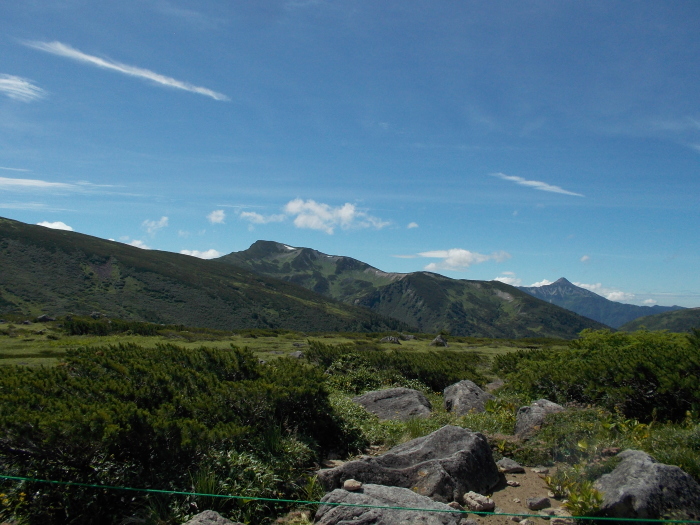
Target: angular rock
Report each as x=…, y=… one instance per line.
x=395, y=403
x=530, y=419
x=297, y=355
x=478, y=503
x=390, y=339
x=439, y=341
x=443, y=465
x=44, y=319
x=210, y=517
x=387, y=497
x=508, y=466
x=538, y=503
x=640, y=487
x=464, y=397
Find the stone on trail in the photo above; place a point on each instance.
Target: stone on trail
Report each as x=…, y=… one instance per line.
x=383, y=496
x=640, y=487
x=395, y=403
x=508, y=466
x=528, y=420
x=443, y=465
x=538, y=503
x=465, y=397
x=478, y=503
x=210, y=517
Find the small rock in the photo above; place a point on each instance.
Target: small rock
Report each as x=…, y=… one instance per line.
x=390, y=339
x=508, y=466
x=210, y=517
x=439, y=341
x=512, y=483
x=476, y=502
x=516, y=500
x=526, y=522
x=332, y=463
x=297, y=355
x=611, y=451
x=352, y=485
x=516, y=519
x=561, y=521
x=468, y=521
x=455, y=505
x=540, y=470
x=537, y=503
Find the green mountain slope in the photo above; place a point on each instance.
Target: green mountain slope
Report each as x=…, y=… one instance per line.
x=584, y=302
x=57, y=272
x=426, y=300
x=676, y=321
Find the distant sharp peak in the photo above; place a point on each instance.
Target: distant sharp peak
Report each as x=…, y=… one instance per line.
x=562, y=281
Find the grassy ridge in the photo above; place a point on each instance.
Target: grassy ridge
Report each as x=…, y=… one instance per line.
x=58, y=272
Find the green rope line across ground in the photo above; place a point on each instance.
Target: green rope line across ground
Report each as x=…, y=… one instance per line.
x=302, y=502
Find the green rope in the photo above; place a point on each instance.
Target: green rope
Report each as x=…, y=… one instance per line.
x=336, y=504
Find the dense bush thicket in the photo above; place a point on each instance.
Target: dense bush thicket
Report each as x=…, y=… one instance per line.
x=89, y=326
x=642, y=375
x=157, y=418
x=363, y=367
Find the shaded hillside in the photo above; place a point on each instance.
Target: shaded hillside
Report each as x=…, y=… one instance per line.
x=584, y=302
x=426, y=300
x=57, y=272
x=677, y=321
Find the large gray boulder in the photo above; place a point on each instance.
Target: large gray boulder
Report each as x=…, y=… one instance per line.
x=385, y=497
x=210, y=517
x=395, y=403
x=530, y=419
x=464, y=397
x=640, y=487
x=442, y=466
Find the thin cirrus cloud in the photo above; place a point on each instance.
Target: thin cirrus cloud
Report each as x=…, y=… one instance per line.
x=64, y=50
x=457, y=259
x=18, y=88
x=535, y=184
x=312, y=215
x=208, y=254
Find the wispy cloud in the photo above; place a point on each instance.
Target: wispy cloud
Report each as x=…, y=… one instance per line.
x=19, y=88
x=208, y=254
x=217, y=217
x=585, y=258
x=152, y=227
x=257, y=218
x=457, y=259
x=543, y=282
x=509, y=278
x=412, y=225
x=611, y=294
x=535, y=184
x=7, y=183
x=64, y=50
x=58, y=225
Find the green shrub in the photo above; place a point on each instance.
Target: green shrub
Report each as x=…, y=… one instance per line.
x=642, y=375
x=131, y=416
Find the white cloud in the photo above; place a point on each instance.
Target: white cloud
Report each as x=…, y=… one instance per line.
x=319, y=216
x=19, y=88
x=208, y=254
x=257, y=218
x=412, y=225
x=64, y=50
x=649, y=302
x=611, y=294
x=183, y=233
x=585, y=258
x=513, y=281
x=7, y=183
x=58, y=225
x=538, y=185
x=13, y=169
x=139, y=244
x=459, y=259
x=152, y=227
x=216, y=217
x=543, y=282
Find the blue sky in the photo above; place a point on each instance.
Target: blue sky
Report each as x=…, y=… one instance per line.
x=523, y=141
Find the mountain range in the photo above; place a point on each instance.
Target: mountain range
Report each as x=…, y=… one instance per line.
x=270, y=285
x=589, y=304
x=429, y=301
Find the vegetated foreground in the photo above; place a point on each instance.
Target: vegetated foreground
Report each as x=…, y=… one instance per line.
x=219, y=421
